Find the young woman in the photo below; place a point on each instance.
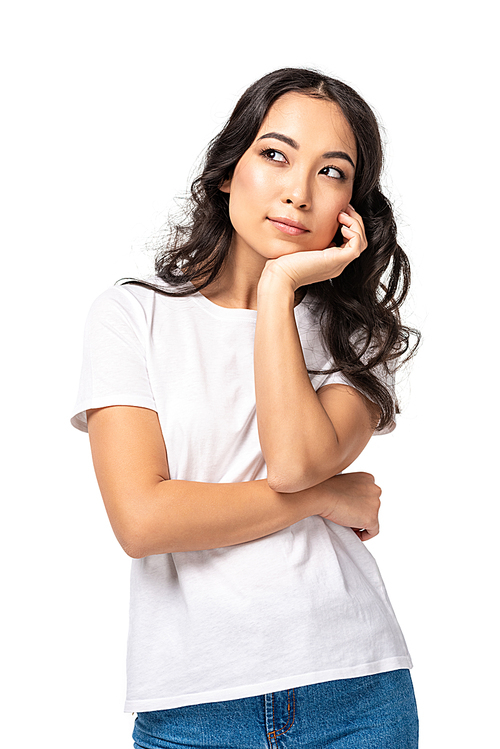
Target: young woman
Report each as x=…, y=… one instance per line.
x=224, y=397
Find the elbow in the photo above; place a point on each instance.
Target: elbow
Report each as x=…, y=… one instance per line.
x=136, y=526
x=144, y=538
x=300, y=477
x=134, y=551
x=288, y=482
x=133, y=538
x=132, y=543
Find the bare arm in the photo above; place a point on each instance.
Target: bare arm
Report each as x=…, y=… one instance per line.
x=151, y=514
x=305, y=436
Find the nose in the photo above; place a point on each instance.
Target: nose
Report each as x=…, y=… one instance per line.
x=297, y=191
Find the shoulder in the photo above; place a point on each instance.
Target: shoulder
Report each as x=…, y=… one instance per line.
x=131, y=298
x=127, y=290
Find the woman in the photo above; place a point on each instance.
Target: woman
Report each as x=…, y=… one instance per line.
x=223, y=399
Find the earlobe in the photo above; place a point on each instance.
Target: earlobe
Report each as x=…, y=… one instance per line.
x=226, y=186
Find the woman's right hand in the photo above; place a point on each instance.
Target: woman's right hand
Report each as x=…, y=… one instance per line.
x=305, y=267
x=353, y=500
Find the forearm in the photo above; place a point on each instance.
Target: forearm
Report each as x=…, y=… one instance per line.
x=152, y=514
x=179, y=515
x=298, y=439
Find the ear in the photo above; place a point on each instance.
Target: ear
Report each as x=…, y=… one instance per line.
x=226, y=186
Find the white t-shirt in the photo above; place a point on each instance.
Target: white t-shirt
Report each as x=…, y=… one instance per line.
x=300, y=606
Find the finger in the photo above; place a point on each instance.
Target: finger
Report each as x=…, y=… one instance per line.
x=348, y=233
x=338, y=258
x=353, y=212
x=353, y=221
x=364, y=534
x=354, y=241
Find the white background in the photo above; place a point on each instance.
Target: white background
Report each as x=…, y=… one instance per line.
x=106, y=108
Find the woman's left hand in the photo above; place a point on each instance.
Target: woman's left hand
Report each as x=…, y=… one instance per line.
x=312, y=266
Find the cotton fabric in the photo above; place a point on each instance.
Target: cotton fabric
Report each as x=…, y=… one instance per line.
x=370, y=712
x=297, y=607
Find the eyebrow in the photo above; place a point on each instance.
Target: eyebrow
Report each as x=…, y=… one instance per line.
x=295, y=145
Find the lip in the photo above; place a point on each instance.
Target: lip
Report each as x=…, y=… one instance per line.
x=287, y=225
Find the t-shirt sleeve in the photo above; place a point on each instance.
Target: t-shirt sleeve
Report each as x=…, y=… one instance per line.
x=387, y=378
x=114, y=369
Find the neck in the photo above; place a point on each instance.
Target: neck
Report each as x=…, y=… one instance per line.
x=236, y=286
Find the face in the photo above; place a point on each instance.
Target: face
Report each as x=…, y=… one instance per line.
x=289, y=187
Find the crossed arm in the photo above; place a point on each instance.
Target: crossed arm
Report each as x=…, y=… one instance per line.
x=306, y=437
x=151, y=514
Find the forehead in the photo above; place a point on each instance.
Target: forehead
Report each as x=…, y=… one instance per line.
x=316, y=124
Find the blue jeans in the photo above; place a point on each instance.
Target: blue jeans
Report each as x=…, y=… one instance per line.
x=369, y=712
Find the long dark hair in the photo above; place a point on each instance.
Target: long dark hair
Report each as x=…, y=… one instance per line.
x=358, y=312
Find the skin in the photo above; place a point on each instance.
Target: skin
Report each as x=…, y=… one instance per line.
x=306, y=437
x=325, y=431
x=297, y=184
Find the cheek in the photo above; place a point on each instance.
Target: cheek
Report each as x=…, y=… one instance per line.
x=249, y=182
x=248, y=198
x=330, y=224
x=331, y=209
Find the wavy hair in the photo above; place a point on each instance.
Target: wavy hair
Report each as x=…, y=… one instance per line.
x=359, y=311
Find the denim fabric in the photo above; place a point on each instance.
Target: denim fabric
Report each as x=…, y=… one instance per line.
x=369, y=712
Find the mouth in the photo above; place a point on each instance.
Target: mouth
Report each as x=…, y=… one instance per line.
x=287, y=225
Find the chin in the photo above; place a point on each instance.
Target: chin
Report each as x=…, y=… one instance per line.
x=288, y=247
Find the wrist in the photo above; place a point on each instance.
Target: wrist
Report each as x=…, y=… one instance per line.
x=276, y=282
x=315, y=499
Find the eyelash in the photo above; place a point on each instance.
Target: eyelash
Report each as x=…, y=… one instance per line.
x=341, y=173
x=267, y=151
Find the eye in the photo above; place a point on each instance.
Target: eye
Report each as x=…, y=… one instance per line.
x=272, y=155
x=333, y=172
